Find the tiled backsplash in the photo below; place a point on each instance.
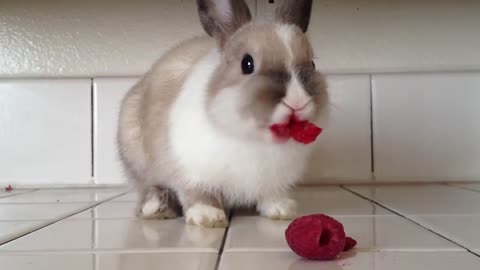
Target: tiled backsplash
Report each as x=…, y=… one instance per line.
x=45, y=131
x=107, y=95
x=425, y=128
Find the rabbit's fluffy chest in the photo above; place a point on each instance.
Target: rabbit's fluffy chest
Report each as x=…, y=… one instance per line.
x=243, y=171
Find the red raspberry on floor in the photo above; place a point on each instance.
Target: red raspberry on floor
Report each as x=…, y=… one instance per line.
x=349, y=243
x=317, y=237
x=9, y=188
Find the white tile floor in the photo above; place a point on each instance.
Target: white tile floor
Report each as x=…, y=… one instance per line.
x=418, y=227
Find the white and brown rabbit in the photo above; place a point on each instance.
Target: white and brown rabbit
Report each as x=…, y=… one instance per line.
x=194, y=132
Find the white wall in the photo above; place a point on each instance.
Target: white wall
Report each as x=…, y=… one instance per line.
x=119, y=37
x=92, y=37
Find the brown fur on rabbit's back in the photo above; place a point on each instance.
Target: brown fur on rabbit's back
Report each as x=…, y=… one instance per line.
x=145, y=108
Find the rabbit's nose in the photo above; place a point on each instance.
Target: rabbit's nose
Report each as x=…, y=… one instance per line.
x=296, y=106
x=300, y=110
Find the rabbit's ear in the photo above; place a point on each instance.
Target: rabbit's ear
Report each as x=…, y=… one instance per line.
x=221, y=18
x=294, y=12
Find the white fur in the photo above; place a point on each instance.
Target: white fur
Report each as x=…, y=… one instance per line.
x=226, y=103
x=224, y=8
x=151, y=206
x=205, y=215
x=285, y=32
x=296, y=96
x=281, y=208
x=243, y=171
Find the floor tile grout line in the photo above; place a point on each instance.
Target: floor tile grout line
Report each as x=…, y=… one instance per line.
x=411, y=220
x=358, y=250
x=17, y=194
x=111, y=251
x=336, y=216
x=133, y=218
x=52, y=202
x=224, y=240
x=198, y=251
x=56, y=220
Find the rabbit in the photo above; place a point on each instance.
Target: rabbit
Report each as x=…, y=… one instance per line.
x=193, y=133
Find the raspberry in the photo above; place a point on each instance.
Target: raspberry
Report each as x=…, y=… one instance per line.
x=317, y=237
x=349, y=243
x=303, y=235
x=302, y=131
x=281, y=130
x=305, y=132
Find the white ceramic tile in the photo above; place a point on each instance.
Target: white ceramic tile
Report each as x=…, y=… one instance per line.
x=157, y=234
x=11, y=229
x=461, y=229
x=383, y=233
x=333, y=200
x=426, y=127
x=351, y=261
x=108, y=95
x=342, y=151
x=330, y=200
x=155, y=261
x=423, y=199
x=45, y=131
x=120, y=234
x=63, y=196
x=47, y=262
x=110, y=210
x=145, y=261
x=46, y=211
x=64, y=235
x=129, y=197
x=14, y=192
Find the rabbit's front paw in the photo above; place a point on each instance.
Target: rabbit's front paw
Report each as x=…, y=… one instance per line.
x=206, y=216
x=277, y=209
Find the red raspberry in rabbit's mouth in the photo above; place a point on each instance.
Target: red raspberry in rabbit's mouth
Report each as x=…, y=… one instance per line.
x=301, y=131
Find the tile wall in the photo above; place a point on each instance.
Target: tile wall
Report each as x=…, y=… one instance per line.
x=380, y=128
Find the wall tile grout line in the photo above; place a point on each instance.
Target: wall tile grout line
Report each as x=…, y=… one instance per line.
x=411, y=220
x=372, y=148
x=92, y=128
x=51, y=222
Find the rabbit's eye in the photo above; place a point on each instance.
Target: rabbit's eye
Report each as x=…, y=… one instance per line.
x=247, y=64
